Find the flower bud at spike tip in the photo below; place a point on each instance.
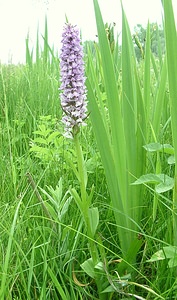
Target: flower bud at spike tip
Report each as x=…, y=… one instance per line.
x=73, y=95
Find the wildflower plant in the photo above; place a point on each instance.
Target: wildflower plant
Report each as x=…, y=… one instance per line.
x=74, y=106
x=73, y=95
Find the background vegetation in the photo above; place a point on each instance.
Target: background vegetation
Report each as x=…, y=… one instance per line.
x=129, y=148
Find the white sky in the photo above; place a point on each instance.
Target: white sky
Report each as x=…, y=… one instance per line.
x=18, y=17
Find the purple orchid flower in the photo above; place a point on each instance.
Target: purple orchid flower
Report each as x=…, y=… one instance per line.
x=73, y=95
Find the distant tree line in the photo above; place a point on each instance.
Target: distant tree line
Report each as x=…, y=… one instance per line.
x=139, y=40
x=157, y=40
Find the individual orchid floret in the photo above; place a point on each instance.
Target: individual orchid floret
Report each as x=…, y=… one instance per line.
x=73, y=95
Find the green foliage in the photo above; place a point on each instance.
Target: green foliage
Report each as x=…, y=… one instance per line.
x=116, y=126
x=120, y=242
x=163, y=183
x=168, y=252
x=48, y=142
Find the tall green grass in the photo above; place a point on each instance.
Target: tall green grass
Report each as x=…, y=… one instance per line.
x=129, y=150
x=122, y=133
x=171, y=44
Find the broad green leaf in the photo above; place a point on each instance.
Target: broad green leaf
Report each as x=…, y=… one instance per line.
x=173, y=262
x=159, y=255
x=166, y=148
x=148, y=178
x=171, y=160
x=169, y=252
x=153, y=147
x=166, y=182
x=109, y=289
x=88, y=267
x=99, y=266
x=166, y=185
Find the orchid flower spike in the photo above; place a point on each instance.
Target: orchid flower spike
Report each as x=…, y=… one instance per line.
x=73, y=89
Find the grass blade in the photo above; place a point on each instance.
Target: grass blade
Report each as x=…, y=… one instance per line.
x=171, y=46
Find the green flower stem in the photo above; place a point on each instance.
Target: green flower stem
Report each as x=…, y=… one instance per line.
x=85, y=212
x=81, y=169
x=85, y=203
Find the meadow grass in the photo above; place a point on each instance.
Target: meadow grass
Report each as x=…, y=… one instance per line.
x=129, y=149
